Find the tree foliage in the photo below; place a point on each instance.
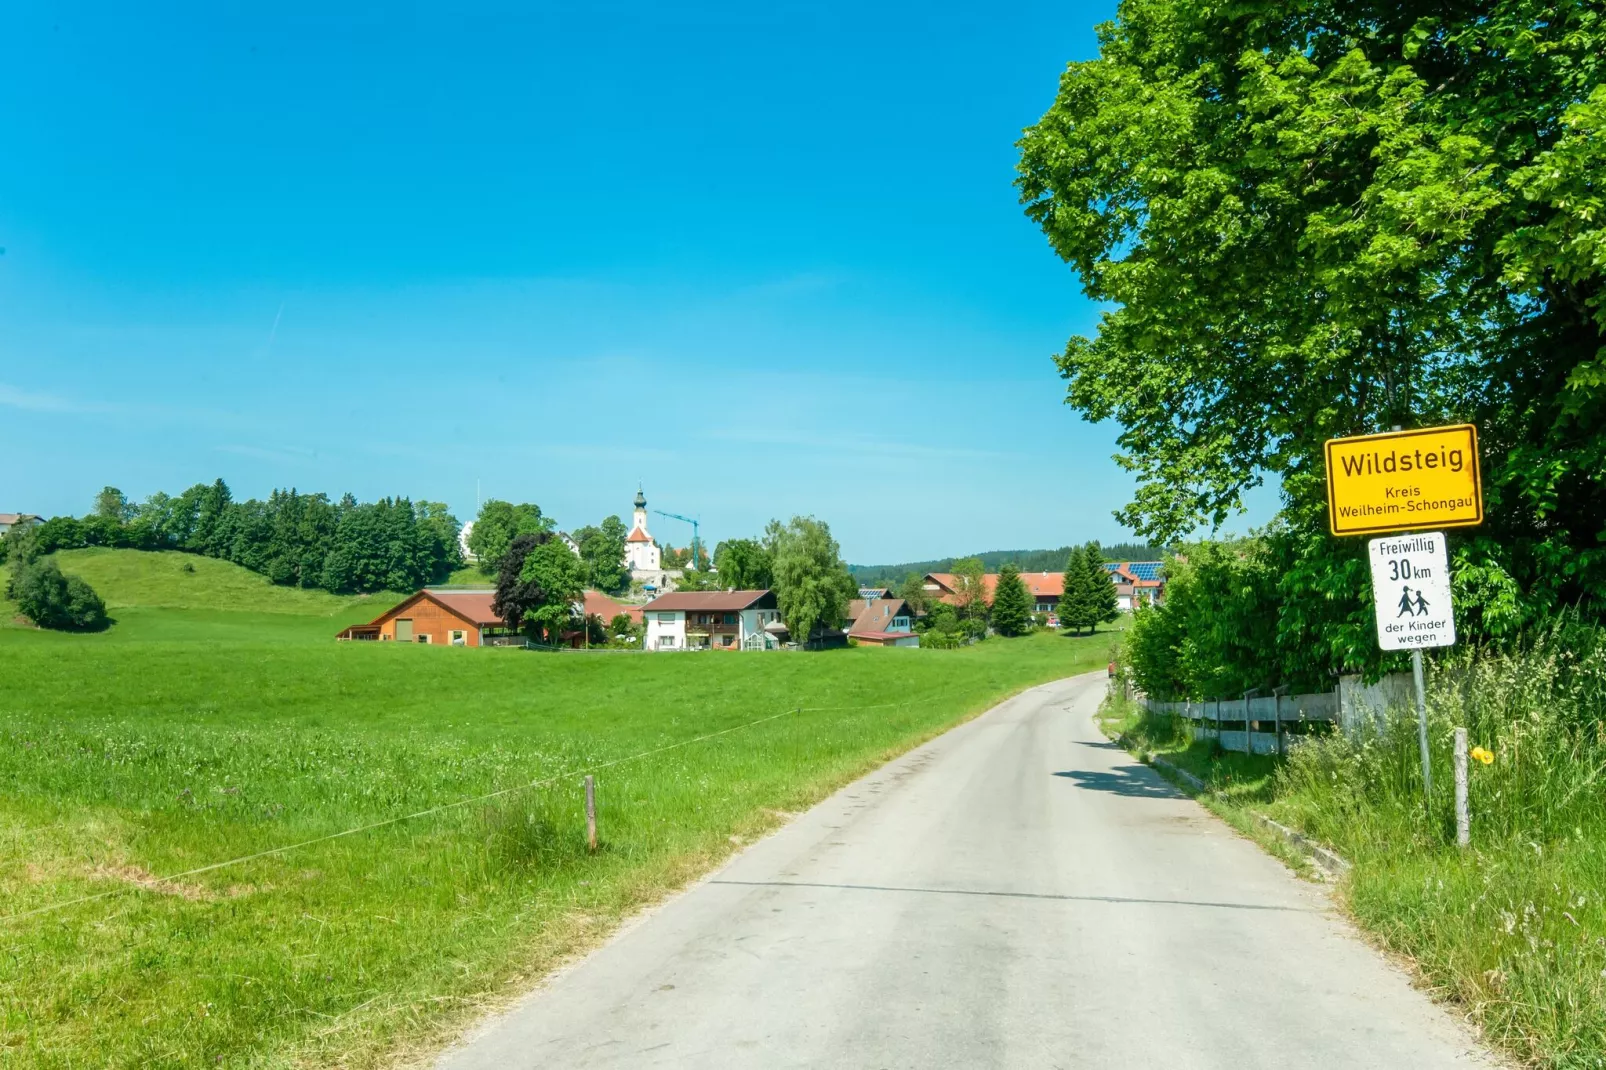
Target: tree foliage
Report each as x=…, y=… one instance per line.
x=744, y=565
x=812, y=584
x=52, y=600
x=498, y=524
x=913, y=590
x=970, y=589
x=993, y=560
x=1101, y=601
x=294, y=539
x=1327, y=218
x=602, y=548
x=1012, y=606
x=539, y=584
x=1076, y=598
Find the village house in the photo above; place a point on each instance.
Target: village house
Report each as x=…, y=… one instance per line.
x=713, y=620
x=1044, y=588
x=880, y=618
x=1137, y=582
x=466, y=618
x=17, y=520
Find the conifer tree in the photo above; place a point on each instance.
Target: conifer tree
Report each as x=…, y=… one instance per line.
x=1011, y=603
x=1076, y=603
x=1101, y=599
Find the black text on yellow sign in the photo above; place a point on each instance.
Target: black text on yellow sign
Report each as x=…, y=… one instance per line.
x=1404, y=480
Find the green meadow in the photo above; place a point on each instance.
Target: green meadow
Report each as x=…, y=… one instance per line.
x=218, y=719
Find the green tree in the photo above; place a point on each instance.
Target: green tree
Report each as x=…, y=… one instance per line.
x=913, y=590
x=1212, y=636
x=52, y=600
x=1103, y=605
x=602, y=548
x=1076, y=599
x=540, y=582
x=1322, y=219
x=970, y=589
x=21, y=545
x=439, y=529
x=812, y=583
x=112, y=504
x=1012, y=607
x=498, y=524
x=744, y=565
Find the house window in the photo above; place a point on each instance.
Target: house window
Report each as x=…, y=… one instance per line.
x=666, y=618
x=900, y=623
x=459, y=639
x=424, y=639
x=727, y=640
x=730, y=618
x=666, y=642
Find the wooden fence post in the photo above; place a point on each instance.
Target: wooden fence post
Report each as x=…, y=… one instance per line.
x=591, y=814
x=1463, y=820
x=1278, y=693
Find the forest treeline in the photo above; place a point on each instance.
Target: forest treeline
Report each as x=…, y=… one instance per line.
x=994, y=561
x=294, y=539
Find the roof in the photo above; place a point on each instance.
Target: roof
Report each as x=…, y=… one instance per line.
x=638, y=535
x=871, y=616
x=1138, y=573
x=882, y=635
x=474, y=606
x=15, y=518
x=1038, y=584
x=710, y=601
x=600, y=605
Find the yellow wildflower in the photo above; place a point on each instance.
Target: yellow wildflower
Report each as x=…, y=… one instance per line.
x=1483, y=755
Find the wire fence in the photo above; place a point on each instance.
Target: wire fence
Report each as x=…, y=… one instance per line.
x=371, y=826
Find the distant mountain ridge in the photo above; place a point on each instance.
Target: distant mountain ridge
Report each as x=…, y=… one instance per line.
x=992, y=560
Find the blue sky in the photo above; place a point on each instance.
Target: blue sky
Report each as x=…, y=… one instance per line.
x=765, y=259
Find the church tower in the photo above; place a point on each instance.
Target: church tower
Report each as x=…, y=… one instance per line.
x=641, y=552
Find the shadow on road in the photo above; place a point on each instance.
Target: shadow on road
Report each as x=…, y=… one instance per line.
x=1133, y=780
x=1108, y=744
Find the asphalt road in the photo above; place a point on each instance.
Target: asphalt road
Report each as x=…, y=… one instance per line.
x=1017, y=893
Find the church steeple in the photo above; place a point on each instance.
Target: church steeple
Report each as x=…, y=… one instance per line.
x=641, y=499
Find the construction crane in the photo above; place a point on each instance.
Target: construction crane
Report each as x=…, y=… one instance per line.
x=696, y=542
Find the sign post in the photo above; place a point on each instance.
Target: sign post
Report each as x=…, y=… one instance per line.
x=1404, y=481
x=1411, y=593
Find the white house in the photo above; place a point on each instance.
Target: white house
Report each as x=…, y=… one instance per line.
x=17, y=520
x=711, y=620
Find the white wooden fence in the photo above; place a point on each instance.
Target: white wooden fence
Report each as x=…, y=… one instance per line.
x=1251, y=716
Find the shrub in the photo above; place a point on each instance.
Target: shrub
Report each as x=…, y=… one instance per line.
x=52, y=600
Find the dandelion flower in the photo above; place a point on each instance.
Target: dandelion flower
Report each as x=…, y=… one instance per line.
x=1483, y=755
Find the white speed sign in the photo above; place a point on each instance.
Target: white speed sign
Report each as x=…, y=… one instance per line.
x=1411, y=583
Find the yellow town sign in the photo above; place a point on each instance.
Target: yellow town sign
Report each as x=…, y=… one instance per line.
x=1404, y=481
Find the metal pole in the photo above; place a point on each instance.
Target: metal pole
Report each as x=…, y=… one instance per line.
x=1463, y=820
x=591, y=814
x=1422, y=730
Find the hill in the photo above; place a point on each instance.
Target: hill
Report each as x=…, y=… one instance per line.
x=160, y=590
x=992, y=560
